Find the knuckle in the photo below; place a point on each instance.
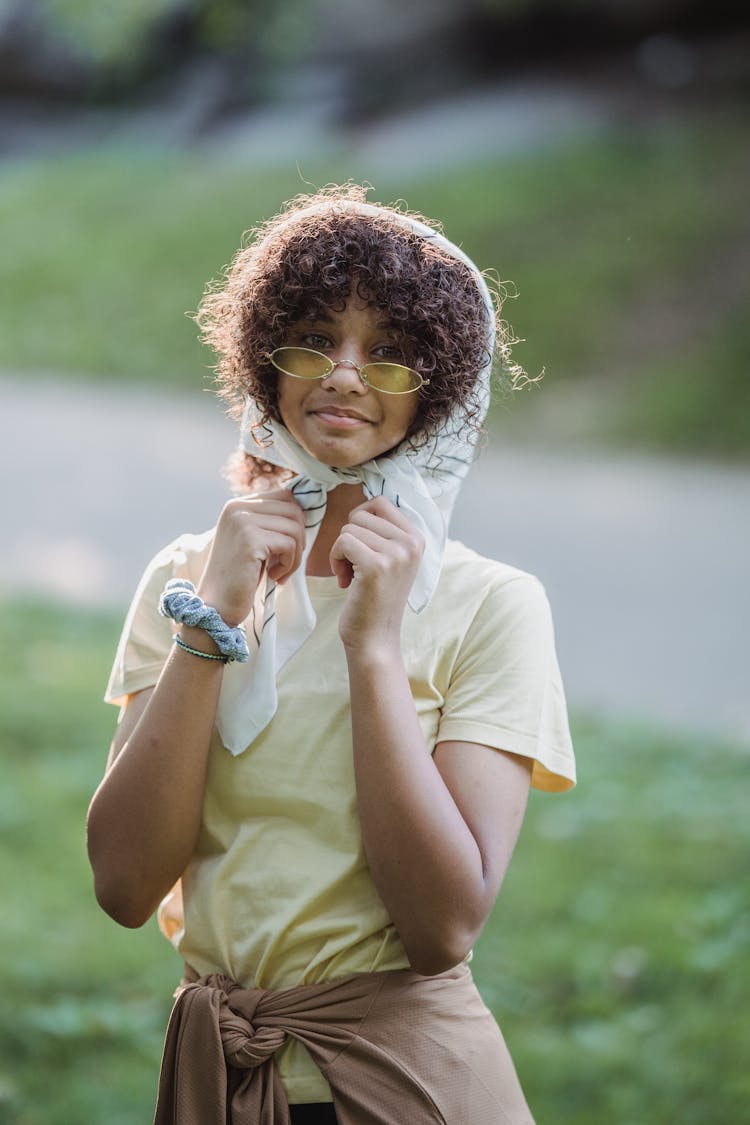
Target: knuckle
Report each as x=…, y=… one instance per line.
x=373, y=505
x=232, y=506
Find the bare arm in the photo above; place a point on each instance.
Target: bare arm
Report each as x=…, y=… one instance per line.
x=145, y=817
x=438, y=830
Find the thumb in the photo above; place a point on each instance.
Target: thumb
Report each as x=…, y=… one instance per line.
x=341, y=566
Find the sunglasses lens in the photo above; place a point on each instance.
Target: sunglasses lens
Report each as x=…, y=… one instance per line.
x=391, y=378
x=301, y=362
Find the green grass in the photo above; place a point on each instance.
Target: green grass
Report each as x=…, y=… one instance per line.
x=105, y=251
x=617, y=955
x=82, y=1002
x=616, y=959
x=698, y=401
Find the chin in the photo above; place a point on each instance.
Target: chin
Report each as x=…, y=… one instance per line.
x=335, y=454
x=341, y=450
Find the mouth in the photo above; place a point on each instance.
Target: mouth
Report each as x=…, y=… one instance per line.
x=335, y=416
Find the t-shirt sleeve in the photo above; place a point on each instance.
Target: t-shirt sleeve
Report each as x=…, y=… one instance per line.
x=506, y=690
x=146, y=638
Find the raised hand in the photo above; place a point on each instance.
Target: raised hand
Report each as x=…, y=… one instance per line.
x=254, y=533
x=377, y=555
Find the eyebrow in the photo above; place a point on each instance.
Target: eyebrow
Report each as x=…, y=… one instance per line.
x=380, y=324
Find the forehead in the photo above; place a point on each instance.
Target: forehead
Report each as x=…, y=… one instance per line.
x=356, y=312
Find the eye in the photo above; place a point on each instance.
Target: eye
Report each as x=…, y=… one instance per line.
x=315, y=340
x=391, y=353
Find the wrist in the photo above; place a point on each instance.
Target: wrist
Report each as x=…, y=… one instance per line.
x=230, y=614
x=374, y=655
x=183, y=604
x=199, y=639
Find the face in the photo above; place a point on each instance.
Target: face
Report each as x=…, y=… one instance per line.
x=339, y=420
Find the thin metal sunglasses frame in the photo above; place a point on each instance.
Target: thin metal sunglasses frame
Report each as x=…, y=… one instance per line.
x=346, y=363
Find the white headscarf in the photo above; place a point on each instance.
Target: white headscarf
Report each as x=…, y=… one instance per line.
x=423, y=483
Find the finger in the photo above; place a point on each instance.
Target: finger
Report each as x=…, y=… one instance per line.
x=279, y=571
x=382, y=525
x=284, y=505
x=371, y=538
x=282, y=494
x=407, y=540
x=381, y=507
x=281, y=553
x=266, y=524
x=273, y=520
x=261, y=514
x=343, y=570
x=352, y=548
x=350, y=554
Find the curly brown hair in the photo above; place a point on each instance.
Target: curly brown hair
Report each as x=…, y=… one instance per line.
x=296, y=266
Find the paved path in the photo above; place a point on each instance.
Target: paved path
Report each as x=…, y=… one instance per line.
x=646, y=561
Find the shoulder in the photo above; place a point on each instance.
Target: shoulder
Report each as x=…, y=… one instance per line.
x=184, y=557
x=458, y=558
x=490, y=614
x=474, y=581
x=482, y=612
x=504, y=686
x=146, y=637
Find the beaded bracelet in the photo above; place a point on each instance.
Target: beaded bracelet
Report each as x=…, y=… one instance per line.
x=180, y=602
x=197, y=652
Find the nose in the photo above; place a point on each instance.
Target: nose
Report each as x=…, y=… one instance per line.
x=345, y=378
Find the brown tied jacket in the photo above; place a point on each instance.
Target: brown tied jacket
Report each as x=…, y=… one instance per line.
x=394, y=1047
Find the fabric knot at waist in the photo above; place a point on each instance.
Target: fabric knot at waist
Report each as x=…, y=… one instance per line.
x=218, y=1063
x=393, y=1046
x=247, y=1042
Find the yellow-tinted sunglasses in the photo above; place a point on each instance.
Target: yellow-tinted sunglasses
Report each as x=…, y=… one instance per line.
x=305, y=363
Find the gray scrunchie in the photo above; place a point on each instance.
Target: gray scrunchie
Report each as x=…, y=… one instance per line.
x=180, y=602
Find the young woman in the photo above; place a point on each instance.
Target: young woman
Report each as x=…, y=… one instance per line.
x=328, y=733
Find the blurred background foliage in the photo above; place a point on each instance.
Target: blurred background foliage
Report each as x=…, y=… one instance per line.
x=137, y=142
x=131, y=170
x=110, y=47
x=632, y=289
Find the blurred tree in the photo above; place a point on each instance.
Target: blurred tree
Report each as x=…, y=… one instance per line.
x=78, y=49
x=108, y=35
x=83, y=48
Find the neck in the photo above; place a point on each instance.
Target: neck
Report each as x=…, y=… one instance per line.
x=341, y=501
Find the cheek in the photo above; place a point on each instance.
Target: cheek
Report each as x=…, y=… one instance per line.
x=410, y=415
x=285, y=396
x=281, y=405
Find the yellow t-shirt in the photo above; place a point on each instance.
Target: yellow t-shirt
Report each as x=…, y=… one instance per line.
x=278, y=892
